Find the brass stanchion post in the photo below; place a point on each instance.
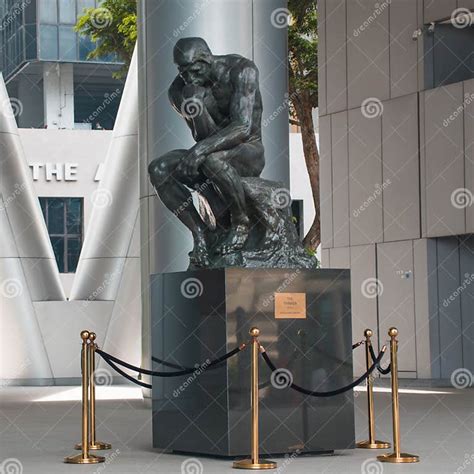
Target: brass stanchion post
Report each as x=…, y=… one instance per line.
x=85, y=457
x=254, y=462
x=371, y=443
x=94, y=445
x=396, y=456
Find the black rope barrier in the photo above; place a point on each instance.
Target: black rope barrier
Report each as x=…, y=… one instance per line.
x=331, y=393
x=357, y=344
x=379, y=368
x=124, y=374
x=178, y=373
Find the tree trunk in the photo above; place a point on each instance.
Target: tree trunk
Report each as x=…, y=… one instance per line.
x=304, y=112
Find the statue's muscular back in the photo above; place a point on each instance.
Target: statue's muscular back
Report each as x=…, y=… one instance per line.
x=228, y=71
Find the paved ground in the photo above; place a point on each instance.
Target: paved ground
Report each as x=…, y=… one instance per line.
x=38, y=427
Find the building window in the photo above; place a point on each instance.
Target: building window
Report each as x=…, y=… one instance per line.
x=64, y=220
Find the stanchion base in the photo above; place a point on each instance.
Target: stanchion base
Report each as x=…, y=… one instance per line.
x=402, y=458
x=248, y=464
x=79, y=459
x=97, y=446
x=375, y=445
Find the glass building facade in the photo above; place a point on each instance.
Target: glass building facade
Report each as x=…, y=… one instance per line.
x=42, y=30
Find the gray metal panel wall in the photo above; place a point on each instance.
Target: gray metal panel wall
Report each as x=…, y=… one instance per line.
x=368, y=67
x=322, y=102
x=365, y=178
x=340, y=257
x=396, y=300
x=364, y=304
x=336, y=55
x=401, y=195
x=467, y=301
x=340, y=179
x=444, y=160
x=325, y=172
x=469, y=151
x=450, y=321
x=403, y=50
x=439, y=9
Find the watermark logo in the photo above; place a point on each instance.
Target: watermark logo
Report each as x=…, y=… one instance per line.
x=108, y=460
x=468, y=279
x=371, y=108
x=108, y=99
x=371, y=288
x=11, y=288
x=461, y=18
x=289, y=278
x=281, y=198
x=468, y=460
x=281, y=379
x=282, y=467
x=15, y=11
x=379, y=188
x=462, y=198
x=103, y=377
x=102, y=198
x=11, y=466
x=12, y=107
x=468, y=99
x=192, y=288
x=462, y=378
x=192, y=466
x=283, y=107
x=19, y=188
x=199, y=370
x=101, y=18
x=371, y=466
x=187, y=22
x=379, y=8
x=192, y=108
x=281, y=18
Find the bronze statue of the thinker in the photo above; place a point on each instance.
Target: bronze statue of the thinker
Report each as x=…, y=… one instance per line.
x=219, y=98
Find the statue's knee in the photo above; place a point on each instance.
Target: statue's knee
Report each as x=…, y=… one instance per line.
x=158, y=171
x=213, y=164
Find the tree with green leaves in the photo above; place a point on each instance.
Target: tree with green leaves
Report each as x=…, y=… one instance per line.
x=303, y=68
x=113, y=27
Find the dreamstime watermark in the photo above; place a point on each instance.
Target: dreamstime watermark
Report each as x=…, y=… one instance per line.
x=371, y=288
x=16, y=11
x=281, y=198
x=103, y=377
x=12, y=107
x=468, y=99
x=281, y=379
x=283, y=107
x=379, y=188
x=379, y=8
x=108, y=279
x=462, y=198
x=191, y=379
x=468, y=460
x=192, y=466
x=187, y=22
x=371, y=107
x=108, y=99
x=371, y=466
x=102, y=198
x=11, y=288
x=289, y=278
x=282, y=467
x=462, y=378
x=11, y=466
x=192, y=288
x=108, y=461
x=19, y=188
x=192, y=108
x=281, y=18
x=468, y=279
x=101, y=18
x=461, y=18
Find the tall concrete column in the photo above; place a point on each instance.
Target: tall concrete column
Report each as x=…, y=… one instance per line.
x=252, y=28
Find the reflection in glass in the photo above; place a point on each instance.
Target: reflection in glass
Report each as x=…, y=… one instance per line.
x=48, y=11
x=48, y=42
x=67, y=43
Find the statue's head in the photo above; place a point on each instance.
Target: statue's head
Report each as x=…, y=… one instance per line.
x=193, y=58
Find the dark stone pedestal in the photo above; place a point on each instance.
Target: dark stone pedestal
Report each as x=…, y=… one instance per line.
x=200, y=315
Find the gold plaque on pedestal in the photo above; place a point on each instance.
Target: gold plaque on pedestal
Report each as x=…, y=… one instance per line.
x=290, y=305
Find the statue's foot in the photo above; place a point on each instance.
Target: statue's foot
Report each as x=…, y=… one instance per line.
x=235, y=240
x=199, y=257
x=271, y=239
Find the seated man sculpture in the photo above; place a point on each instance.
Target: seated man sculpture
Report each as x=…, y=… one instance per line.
x=220, y=100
